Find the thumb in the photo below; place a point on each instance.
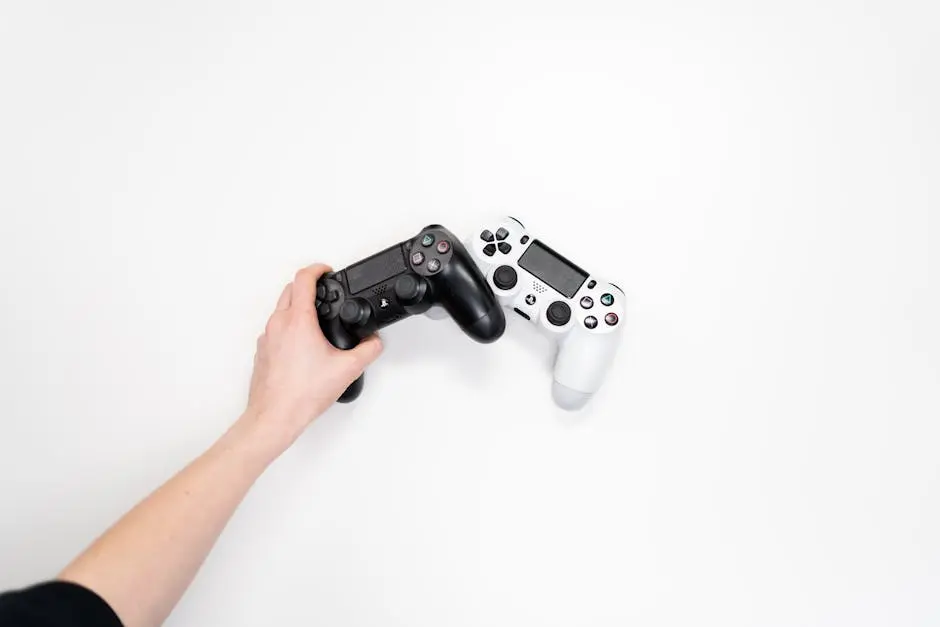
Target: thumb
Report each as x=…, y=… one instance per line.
x=367, y=351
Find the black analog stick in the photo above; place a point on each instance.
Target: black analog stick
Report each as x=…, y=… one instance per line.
x=559, y=313
x=407, y=289
x=505, y=278
x=354, y=312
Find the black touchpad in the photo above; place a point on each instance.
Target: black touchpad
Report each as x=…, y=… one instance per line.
x=376, y=269
x=552, y=268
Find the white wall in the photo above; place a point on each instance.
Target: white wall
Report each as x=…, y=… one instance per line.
x=763, y=182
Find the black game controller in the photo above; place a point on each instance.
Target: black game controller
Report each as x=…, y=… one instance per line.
x=407, y=279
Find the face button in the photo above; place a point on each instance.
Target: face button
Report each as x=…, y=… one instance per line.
x=504, y=248
x=321, y=291
x=530, y=300
x=427, y=240
x=505, y=278
x=592, y=285
x=489, y=250
x=590, y=322
x=486, y=236
x=524, y=240
x=323, y=309
x=333, y=296
x=611, y=319
x=434, y=265
x=559, y=313
x=587, y=302
x=443, y=247
x=417, y=258
x=607, y=300
x=502, y=234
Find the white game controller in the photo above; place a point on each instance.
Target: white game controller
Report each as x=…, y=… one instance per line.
x=581, y=313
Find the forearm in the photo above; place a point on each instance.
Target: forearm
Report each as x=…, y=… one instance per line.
x=143, y=564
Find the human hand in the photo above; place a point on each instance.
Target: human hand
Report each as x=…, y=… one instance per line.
x=298, y=374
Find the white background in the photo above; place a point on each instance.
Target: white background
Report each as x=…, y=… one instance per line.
x=762, y=181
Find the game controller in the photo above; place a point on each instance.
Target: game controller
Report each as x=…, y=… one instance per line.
x=581, y=313
x=433, y=268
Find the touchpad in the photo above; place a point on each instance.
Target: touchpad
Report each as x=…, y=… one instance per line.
x=376, y=269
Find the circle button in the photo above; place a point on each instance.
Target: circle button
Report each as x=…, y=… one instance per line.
x=611, y=319
x=443, y=247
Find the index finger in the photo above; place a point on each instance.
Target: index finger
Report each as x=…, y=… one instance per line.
x=304, y=290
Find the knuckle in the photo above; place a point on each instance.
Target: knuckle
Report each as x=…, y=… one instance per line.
x=351, y=361
x=274, y=325
x=303, y=272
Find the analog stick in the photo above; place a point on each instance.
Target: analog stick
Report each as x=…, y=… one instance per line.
x=355, y=312
x=559, y=313
x=408, y=289
x=505, y=278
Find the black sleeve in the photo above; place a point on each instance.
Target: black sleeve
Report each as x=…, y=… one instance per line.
x=56, y=604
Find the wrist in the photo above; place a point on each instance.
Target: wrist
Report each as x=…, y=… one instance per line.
x=260, y=437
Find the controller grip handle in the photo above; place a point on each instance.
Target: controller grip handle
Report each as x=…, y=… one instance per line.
x=581, y=366
x=463, y=292
x=341, y=338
